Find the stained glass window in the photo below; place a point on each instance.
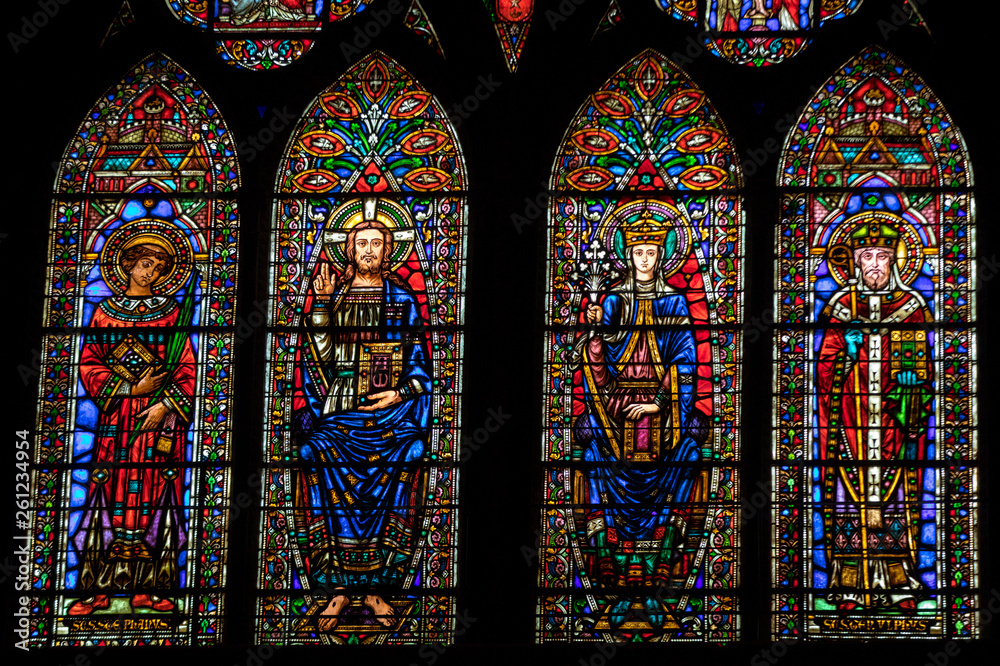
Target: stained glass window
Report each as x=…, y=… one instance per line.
x=194, y=12
x=130, y=467
x=641, y=438
x=240, y=592
x=758, y=32
x=122, y=19
x=875, y=457
x=612, y=17
x=364, y=369
x=418, y=21
x=264, y=34
x=511, y=18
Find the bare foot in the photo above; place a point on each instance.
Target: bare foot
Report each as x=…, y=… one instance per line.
x=383, y=611
x=758, y=10
x=328, y=616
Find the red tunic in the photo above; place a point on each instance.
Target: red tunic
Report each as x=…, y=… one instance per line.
x=866, y=414
x=850, y=390
x=137, y=497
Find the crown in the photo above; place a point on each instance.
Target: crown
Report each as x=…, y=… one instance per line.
x=645, y=231
x=875, y=234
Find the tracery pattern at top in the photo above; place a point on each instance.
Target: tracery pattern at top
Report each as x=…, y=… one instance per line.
x=359, y=530
x=642, y=378
x=131, y=465
x=511, y=18
x=875, y=463
x=264, y=34
x=758, y=33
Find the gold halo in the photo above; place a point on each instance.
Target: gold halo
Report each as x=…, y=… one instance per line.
x=157, y=233
x=149, y=239
x=614, y=222
x=908, y=261
x=394, y=217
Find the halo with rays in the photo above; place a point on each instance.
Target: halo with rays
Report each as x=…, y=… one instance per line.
x=388, y=212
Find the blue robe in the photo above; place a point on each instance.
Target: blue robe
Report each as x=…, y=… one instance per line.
x=630, y=500
x=362, y=499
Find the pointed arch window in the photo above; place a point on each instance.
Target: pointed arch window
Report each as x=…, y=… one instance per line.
x=641, y=440
x=364, y=378
x=875, y=458
x=129, y=476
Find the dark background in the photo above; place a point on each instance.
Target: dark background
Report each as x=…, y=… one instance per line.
x=509, y=142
